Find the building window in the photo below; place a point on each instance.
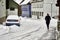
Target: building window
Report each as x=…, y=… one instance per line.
x=42, y=13
x=34, y=1
x=37, y=0
x=37, y=6
x=37, y=13
x=32, y=13
x=12, y=9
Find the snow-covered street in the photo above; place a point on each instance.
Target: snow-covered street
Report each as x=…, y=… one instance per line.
x=31, y=29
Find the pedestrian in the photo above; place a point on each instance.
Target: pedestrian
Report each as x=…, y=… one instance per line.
x=47, y=18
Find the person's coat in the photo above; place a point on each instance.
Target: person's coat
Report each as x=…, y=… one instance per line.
x=47, y=18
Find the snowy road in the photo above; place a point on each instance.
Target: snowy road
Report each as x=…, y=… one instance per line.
x=32, y=30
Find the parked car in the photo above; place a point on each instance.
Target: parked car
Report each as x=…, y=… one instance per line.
x=12, y=20
x=55, y=17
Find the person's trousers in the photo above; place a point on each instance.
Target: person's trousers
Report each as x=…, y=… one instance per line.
x=47, y=25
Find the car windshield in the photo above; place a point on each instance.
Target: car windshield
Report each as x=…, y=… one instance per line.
x=12, y=20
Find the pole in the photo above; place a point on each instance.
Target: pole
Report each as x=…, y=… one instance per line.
x=51, y=9
x=59, y=13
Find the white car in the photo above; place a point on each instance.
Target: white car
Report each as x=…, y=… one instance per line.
x=12, y=20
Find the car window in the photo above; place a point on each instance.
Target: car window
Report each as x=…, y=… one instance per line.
x=12, y=20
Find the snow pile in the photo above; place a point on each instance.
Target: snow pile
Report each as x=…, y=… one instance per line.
x=3, y=29
x=53, y=22
x=13, y=28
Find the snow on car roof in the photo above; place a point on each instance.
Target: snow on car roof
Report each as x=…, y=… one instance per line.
x=12, y=17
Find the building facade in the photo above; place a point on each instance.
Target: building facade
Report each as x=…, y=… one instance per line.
x=40, y=8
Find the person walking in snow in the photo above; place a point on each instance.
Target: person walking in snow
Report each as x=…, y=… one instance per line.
x=47, y=18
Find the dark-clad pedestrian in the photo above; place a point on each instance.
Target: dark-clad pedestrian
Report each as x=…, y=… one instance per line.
x=47, y=18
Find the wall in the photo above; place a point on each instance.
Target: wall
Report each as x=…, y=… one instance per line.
x=47, y=9
x=50, y=7
x=2, y=10
x=12, y=12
